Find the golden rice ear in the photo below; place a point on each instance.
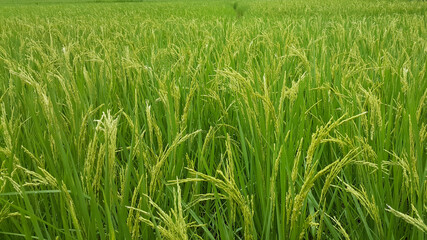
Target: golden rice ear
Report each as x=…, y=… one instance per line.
x=172, y=225
x=107, y=125
x=245, y=205
x=368, y=202
x=72, y=210
x=416, y=221
x=157, y=168
x=422, y=106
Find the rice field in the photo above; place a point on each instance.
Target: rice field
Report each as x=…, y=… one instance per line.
x=213, y=120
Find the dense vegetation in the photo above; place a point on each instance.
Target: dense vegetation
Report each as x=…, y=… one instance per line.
x=213, y=120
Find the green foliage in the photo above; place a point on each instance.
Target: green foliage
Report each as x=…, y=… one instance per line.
x=175, y=120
